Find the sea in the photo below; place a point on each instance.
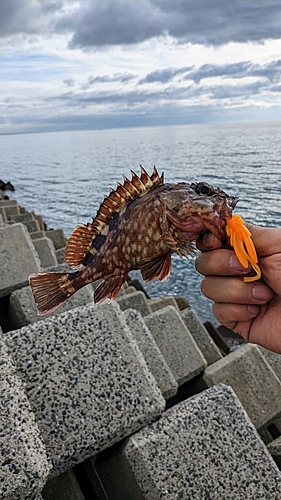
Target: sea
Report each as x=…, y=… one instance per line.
x=63, y=176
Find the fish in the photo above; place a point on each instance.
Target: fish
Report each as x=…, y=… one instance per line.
x=139, y=225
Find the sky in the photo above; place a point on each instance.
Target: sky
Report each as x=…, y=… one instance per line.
x=87, y=64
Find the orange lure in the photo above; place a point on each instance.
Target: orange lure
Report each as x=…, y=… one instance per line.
x=241, y=241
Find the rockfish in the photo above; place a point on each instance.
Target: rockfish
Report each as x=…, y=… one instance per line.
x=138, y=226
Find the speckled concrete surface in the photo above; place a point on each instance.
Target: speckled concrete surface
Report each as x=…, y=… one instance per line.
x=86, y=380
x=273, y=359
x=201, y=336
x=152, y=354
x=23, y=309
x=136, y=300
x=203, y=448
x=18, y=258
x=24, y=465
x=176, y=344
x=253, y=380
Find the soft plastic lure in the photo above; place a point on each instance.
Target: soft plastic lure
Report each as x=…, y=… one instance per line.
x=241, y=241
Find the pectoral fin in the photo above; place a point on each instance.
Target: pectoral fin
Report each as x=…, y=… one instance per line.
x=160, y=268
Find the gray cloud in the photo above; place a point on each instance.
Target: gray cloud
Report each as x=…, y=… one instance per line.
x=122, y=78
x=96, y=23
x=119, y=22
x=243, y=69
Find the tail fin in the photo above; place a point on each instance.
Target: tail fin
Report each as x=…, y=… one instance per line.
x=50, y=290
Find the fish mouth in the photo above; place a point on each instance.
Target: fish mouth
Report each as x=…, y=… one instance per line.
x=217, y=223
x=214, y=221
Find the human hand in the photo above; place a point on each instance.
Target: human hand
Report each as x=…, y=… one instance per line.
x=253, y=310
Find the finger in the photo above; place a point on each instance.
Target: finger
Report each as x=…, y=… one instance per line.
x=266, y=240
x=235, y=291
x=207, y=241
x=220, y=262
x=232, y=314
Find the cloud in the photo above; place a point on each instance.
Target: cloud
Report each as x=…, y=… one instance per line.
x=97, y=23
x=239, y=70
x=123, y=22
x=122, y=78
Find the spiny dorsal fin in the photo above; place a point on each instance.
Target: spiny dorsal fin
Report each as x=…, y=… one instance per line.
x=80, y=243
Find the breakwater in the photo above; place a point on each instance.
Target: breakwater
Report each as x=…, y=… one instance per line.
x=134, y=399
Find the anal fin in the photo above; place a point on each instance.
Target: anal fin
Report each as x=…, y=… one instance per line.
x=160, y=268
x=109, y=288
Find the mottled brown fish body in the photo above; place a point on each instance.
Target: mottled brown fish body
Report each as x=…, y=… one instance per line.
x=138, y=226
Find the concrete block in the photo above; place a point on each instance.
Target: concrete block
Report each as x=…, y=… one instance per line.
x=86, y=380
x=217, y=337
x=27, y=219
x=3, y=214
x=254, y=382
x=63, y=487
x=152, y=354
x=136, y=300
x=176, y=344
x=40, y=221
x=11, y=211
x=156, y=304
x=23, y=311
x=203, y=448
x=60, y=255
x=273, y=359
x=58, y=238
x=274, y=449
x=46, y=251
x=182, y=302
x=22, y=218
x=201, y=336
x=18, y=258
x=130, y=289
x=24, y=465
x=32, y=226
x=37, y=235
x=5, y=203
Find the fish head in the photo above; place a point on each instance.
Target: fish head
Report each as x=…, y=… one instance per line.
x=198, y=207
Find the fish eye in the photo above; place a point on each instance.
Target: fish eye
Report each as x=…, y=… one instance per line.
x=202, y=188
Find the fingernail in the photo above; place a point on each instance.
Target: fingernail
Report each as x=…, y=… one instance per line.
x=254, y=309
x=236, y=265
x=208, y=240
x=261, y=292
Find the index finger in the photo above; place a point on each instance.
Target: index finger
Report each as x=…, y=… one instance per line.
x=207, y=241
x=220, y=262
